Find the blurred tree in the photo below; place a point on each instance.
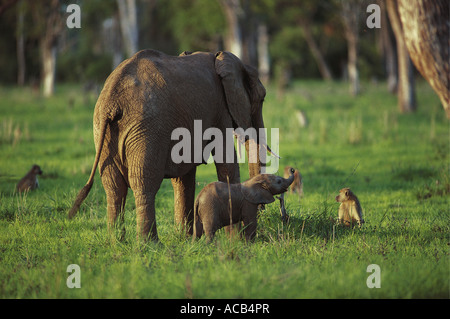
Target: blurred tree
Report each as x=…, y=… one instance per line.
x=8, y=60
x=406, y=86
x=6, y=4
x=286, y=38
x=247, y=32
x=350, y=11
x=285, y=58
x=427, y=39
x=129, y=25
x=301, y=32
x=263, y=53
x=235, y=16
x=112, y=39
x=48, y=15
x=86, y=54
x=388, y=48
x=196, y=25
x=20, y=36
x=307, y=12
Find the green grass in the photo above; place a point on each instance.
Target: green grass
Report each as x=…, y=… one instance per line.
x=397, y=164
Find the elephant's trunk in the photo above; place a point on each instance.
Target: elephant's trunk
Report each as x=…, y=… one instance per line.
x=288, y=181
x=254, y=156
x=255, y=164
x=291, y=177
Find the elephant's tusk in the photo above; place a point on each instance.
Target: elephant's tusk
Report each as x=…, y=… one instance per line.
x=270, y=151
x=242, y=140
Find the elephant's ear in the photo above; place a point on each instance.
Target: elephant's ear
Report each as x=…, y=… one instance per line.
x=256, y=193
x=233, y=74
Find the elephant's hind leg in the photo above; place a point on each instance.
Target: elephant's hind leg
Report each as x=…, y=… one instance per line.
x=146, y=161
x=116, y=195
x=145, y=184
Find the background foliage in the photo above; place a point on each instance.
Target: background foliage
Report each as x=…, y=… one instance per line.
x=176, y=26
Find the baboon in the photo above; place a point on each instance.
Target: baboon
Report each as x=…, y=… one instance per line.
x=29, y=182
x=301, y=117
x=297, y=185
x=350, y=211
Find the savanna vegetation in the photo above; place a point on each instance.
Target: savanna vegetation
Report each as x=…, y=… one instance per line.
x=397, y=164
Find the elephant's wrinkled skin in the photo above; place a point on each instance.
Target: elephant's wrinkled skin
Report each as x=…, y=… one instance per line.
x=143, y=100
x=212, y=209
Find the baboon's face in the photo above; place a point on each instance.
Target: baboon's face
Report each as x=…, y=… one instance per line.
x=36, y=170
x=343, y=195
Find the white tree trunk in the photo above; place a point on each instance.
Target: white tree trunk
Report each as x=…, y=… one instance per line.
x=49, y=66
x=406, y=86
x=112, y=40
x=49, y=45
x=349, y=13
x=233, y=41
x=353, y=74
x=129, y=25
x=263, y=54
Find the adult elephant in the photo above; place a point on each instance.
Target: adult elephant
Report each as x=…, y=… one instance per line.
x=143, y=101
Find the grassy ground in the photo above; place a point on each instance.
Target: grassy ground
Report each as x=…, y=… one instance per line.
x=398, y=165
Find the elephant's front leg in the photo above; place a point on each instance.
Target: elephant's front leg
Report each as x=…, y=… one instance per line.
x=184, y=196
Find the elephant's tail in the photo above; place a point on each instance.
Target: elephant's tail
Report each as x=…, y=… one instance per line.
x=85, y=190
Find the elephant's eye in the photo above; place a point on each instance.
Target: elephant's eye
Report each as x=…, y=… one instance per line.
x=279, y=181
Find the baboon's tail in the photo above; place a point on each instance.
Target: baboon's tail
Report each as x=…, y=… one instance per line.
x=85, y=190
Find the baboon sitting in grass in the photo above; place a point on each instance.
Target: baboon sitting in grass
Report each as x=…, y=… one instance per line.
x=350, y=211
x=29, y=182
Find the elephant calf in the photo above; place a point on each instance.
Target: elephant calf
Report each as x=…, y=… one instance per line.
x=212, y=209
